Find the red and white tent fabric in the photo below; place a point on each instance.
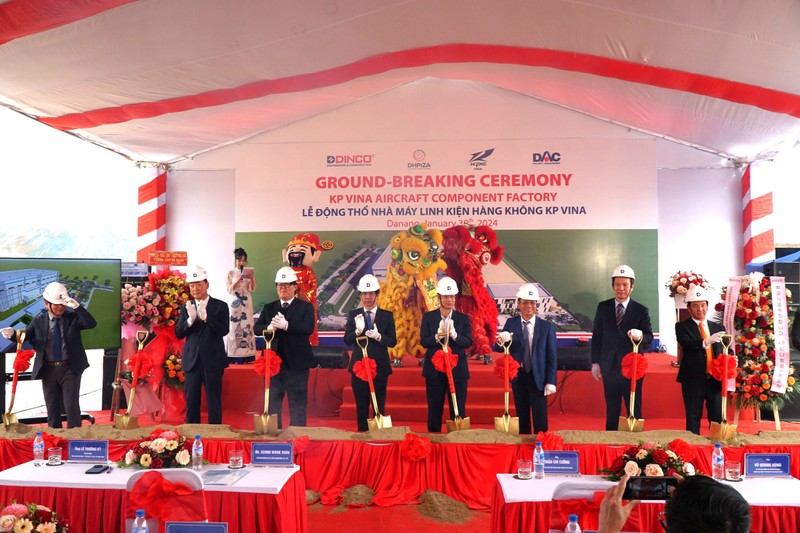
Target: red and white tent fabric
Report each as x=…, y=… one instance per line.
x=162, y=81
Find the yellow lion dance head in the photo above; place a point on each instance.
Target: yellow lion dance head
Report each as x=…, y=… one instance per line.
x=417, y=251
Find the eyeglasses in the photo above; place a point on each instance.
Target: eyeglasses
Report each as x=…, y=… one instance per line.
x=662, y=519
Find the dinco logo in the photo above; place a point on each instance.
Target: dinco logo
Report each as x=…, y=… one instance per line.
x=350, y=160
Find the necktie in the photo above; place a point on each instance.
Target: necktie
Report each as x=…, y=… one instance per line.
x=284, y=307
x=368, y=319
x=709, y=350
x=57, y=356
x=620, y=313
x=526, y=339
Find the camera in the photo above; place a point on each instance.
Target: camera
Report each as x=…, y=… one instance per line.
x=649, y=488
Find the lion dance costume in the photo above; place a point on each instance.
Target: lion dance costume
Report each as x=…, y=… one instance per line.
x=467, y=250
x=302, y=252
x=410, y=288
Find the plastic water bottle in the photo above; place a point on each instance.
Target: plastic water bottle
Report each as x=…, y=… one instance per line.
x=538, y=461
x=718, y=462
x=572, y=525
x=139, y=523
x=197, y=453
x=38, y=449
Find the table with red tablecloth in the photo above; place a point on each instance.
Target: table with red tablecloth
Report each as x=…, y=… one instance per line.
x=527, y=505
x=264, y=499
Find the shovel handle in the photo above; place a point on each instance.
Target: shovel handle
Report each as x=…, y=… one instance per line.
x=506, y=346
x=365, y=357
x=20, y=342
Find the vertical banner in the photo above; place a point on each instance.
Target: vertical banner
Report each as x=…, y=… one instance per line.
x=781, y=325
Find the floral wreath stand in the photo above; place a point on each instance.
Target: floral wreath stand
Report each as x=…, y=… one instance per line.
x=756, y=413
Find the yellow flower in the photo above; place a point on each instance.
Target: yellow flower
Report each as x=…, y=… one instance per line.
x=146, y=460
x=23, y=525
x=171, y=445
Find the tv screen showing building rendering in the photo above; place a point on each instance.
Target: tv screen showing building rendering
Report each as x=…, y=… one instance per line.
x=95, y=283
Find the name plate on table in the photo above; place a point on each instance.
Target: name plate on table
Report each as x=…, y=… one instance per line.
x=766, y=465
x=272, y=454
x=564, y=463
x=88, y=451
x=196, y=527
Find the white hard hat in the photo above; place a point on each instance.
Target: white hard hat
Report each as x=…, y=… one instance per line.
x=55, y=293
x=196, y=273
x=623, y=271
x=528, y=292
x=368, y=283
x=696, y=294
x=447, y=287
x=286, y=275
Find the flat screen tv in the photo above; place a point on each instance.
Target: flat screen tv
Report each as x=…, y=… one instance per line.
x=95, y=283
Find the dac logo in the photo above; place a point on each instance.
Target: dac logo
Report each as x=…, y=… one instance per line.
x=358, y=160
x=478, y=159
x=546, y=158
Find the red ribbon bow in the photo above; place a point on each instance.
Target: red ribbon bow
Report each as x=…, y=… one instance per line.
x=722, y=363
x=167, y=501
x=634, y=363
x=415, y=448
x=362, y=366
x=260, y=365
x=141, y=365
x=23, y=360
x=500, y=367
x=439, y=362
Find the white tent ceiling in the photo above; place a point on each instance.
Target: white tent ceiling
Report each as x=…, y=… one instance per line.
x=162, y=81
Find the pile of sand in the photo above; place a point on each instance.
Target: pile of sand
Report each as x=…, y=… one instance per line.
x=357, y=495
x=443, y=508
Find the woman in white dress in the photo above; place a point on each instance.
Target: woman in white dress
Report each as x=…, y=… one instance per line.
x=241, y=283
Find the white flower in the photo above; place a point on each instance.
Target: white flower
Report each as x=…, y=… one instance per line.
x=671, y=454
x=183, y=457
x=688, y=469
x=653, y=470
x=158, y=445
x=632, y=469
x=130, y=457
x=641, y=454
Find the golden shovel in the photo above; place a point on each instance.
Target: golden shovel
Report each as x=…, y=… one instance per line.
x=125, y=421
x=631, y=423
x=380, y=421
x=722, y=430
x=266, y=423
x=506, y=423
x=8, y=417
x=458, y=423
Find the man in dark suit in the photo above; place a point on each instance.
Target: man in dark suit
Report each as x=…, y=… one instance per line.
x=436, y=325
x=292, y=320
x=617, y=322
x=378, y=326
x=699, y=339
x=203, y=322
x=60, y=357
x=533, y=346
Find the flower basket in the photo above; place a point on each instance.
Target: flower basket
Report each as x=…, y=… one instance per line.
x=679, y=283
x=163, y=448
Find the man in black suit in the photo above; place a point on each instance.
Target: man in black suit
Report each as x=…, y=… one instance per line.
x=436, y=325
x=292, y=320
x=617, y=322
x=60, y=357
x=535, y=351
x=203, y=322
x=699, y=339
x=378, y=326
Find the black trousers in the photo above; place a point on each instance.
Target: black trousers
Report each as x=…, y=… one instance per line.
x=436, y=389
x=294, y=385
x=529, y=399
x=694, y=396
x=61, y=388
x=198, y=378
x=618, y=389
x=364, y=399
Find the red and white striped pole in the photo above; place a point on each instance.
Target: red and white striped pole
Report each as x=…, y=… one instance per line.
x=757, y=219
x=152, y=222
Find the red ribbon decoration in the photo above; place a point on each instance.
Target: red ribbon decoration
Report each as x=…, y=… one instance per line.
x=141, y=364
x=268, y=357
x=634, y=364
x=439, y=360
x=362, y=366
x=167, y=501
x=415, y=448
x=500, y=368
x=724, y=365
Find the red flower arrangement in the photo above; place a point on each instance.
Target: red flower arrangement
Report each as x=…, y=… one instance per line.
x=415, y=448
x=755, y=345
x=680, y=282
x=173, y=292
x=163, y=448
x=652, y=459
x=31, y=517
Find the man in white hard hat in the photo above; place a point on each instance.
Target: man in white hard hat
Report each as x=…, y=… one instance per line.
x=203, y=322
x=60, y=357
x=699, y=339
x=436, y=325
x=378, y=326
x=292, y=320
x=533, y=346
x=617, y=322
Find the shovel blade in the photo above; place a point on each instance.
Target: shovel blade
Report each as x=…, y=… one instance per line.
x=126, y=422
x=458, y=424
x=379, y=422
x=630, y=424
x=10, y=418
x=265, y=424
x=721, y=431
x=507, y=424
